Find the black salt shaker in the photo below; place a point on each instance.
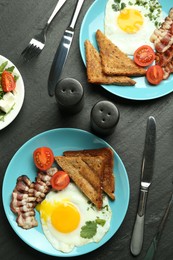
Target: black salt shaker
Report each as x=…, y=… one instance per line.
x=104, y=117
x=69, y=95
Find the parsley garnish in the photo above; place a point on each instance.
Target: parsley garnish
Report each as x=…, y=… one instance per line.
x=118, y=5
x=90, y=228
x=153, y=8
x=100, y=221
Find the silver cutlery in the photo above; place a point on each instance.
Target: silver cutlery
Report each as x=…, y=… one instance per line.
x=154, y=243
x=37, y=43
x=146, y=179
x=63, y=50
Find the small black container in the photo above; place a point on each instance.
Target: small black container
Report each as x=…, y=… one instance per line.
x=69, y=95
x=104, y=117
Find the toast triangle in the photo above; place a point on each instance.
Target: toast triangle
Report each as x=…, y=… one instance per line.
x=108, y=181
x=86, y=179
x=95, y=74
x=114, y=61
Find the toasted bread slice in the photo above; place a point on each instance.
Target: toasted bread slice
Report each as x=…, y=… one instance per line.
x=97, y=165
x=114, y=61
x=108, y=181
x=95, y=74
x=85, y=178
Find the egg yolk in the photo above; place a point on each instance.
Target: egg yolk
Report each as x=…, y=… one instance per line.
x=130, y=20
x=65, y=218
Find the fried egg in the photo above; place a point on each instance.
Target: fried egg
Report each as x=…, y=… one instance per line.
x=130, y=23
x=65, y=216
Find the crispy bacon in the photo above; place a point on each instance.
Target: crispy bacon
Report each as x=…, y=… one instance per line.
x=27, y=221
x=42, y=184
x=168, y=69
x=163, y=58
x=163, y=42
x=163, y=37
x=26, y=195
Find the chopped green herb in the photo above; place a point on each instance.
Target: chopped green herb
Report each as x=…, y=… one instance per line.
x=100, y=221
x=123, y=5
x=153, y=7
x=117, y=6
x=106, y=207
x=117, y=1
x=89, y=230
x=92, y=206
x=130, y=3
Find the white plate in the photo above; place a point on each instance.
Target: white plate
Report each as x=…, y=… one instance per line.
x=19, y=95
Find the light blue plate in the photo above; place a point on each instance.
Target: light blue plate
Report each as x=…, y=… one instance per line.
x=60, y=140
x=94, y=20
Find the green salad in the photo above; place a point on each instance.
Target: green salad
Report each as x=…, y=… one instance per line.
x=7, y=87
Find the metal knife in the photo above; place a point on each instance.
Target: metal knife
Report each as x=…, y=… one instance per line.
x=146, y=179
x=63, y=50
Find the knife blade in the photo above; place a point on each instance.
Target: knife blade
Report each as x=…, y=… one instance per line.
x=147, y=170
x=63, y=50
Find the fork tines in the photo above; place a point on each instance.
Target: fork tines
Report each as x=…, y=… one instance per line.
x=32, y=50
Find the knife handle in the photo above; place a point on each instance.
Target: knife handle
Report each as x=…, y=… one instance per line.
x=138, y=230
x=76, y=13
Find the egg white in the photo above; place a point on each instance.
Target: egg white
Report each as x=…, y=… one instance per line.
x=65, y=242
x=127, y=42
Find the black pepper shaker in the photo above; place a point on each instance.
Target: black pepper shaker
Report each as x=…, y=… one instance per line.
x=69, y=95
x=104, y=117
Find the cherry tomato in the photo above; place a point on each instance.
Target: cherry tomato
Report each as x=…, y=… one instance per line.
x=144, y=56
x=43, y=158
x=154, y=74
x=60, y=180
x=7, y=81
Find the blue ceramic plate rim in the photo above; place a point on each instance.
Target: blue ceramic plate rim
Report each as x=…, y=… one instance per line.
x=60, y=140
x=93, y=20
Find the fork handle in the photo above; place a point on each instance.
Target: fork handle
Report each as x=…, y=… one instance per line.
x=55, y=11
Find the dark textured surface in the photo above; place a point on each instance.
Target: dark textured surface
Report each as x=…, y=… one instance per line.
x=19, y=21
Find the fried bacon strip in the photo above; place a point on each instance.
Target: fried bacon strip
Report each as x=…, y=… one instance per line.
x=168, y=69
x=163, y=37
x=163, y=42
x=163, y=58
x=26, y=195
x=42, y=184
x=23, y=202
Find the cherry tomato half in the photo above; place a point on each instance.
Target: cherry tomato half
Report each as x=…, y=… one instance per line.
x=60, y=180
x=7, y=81
x=154, y=74
x=43, y=158
x=144, y=56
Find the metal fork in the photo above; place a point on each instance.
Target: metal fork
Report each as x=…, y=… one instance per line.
x=37, y=43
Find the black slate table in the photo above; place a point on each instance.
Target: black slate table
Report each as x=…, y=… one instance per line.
x=19, y=21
